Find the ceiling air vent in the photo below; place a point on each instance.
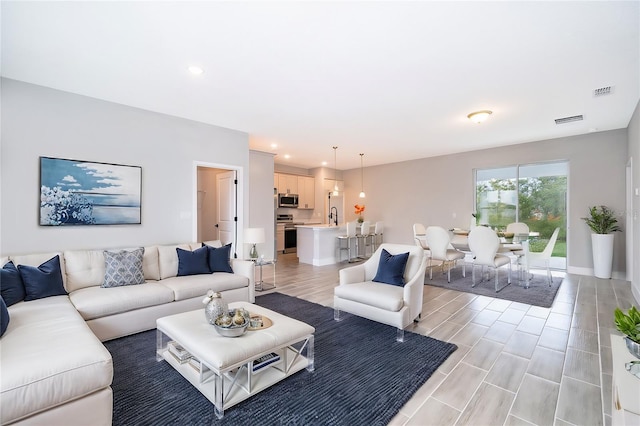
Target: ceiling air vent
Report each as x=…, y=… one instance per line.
x=569, y=119
x=607, y=90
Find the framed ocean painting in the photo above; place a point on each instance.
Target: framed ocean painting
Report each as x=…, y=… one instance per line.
x=76, y=192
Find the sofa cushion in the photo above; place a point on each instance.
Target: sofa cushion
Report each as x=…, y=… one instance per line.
x=42, y=281
x=383, y=296
x=38, y=259
x=85, y=268
x=150, y=265
x=168, y=259
x=123, y=268
x=53, y=356
x=4, y=316
x=97, y=302
x=197, y=285
x=11, y=286
x=219, y=259
x=391, y=268
x=192, y=262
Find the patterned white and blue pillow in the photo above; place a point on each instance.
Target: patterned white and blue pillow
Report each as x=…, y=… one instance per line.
x=123, y=268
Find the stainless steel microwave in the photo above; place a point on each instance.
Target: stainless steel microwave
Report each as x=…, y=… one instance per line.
x=288, y=200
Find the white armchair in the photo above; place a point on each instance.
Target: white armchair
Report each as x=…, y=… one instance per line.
x=389, y=304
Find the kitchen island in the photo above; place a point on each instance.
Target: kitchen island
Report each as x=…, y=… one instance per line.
x=317, y=244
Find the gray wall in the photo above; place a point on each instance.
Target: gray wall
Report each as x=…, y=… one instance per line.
x=439, y=190
x=38, y=121
x=634, y=154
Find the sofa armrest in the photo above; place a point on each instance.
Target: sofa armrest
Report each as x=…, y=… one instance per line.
x=414, y=290
x=246, y=268
x=352, y=274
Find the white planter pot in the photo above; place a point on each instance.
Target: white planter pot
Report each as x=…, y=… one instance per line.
x=602, y=248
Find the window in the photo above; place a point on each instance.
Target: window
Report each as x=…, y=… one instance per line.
x=535, y=194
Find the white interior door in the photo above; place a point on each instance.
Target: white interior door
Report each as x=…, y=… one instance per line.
x=227, y=215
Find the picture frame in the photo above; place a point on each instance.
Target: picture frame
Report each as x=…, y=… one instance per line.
x=75, y=192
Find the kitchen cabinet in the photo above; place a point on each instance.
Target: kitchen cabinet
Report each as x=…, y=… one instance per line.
x=287, y=184
x=280, y=237
x=306, y=192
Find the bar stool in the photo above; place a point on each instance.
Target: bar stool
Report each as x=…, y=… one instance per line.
x=348, y=238
x=366, y=237
x=377, y=235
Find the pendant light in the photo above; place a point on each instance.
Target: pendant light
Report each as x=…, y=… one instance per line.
x=361, y=177
x=335, y=171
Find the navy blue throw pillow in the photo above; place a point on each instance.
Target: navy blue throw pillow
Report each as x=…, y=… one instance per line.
x=192, y=262
x=4, y=317
x=219, y=259
x=391, y=268
x=43, y=281
x=11, y=286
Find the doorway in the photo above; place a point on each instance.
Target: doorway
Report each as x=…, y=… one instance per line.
x=217, y=211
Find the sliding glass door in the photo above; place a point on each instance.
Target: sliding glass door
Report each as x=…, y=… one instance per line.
x=535, y=194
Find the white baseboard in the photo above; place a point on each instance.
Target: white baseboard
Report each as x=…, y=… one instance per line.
x=589, y=272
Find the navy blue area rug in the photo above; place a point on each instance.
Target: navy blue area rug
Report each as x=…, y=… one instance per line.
x=362, y=376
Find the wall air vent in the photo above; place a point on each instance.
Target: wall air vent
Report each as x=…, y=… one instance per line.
x=607, y=90
x=569, y=119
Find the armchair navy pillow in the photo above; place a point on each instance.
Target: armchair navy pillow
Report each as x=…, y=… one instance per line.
x=11, y=286
x=219, y=259
x=43, y=281
x=4, y=317
x=391, y=268
x=192, y=262
x=123, y=268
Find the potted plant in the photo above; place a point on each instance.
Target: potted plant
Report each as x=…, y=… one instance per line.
x=603, y=222
x=629, y=325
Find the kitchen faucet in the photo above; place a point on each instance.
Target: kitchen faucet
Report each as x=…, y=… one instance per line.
x=331, y=216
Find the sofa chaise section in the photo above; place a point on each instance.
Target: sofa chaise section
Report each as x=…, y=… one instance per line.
x=54, y=369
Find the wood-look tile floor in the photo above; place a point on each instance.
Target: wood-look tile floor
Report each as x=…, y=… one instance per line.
x=516, y=364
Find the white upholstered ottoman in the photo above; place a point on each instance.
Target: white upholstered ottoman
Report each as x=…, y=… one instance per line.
x=221, y=367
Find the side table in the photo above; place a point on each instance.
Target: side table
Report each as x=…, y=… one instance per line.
x=260, y=284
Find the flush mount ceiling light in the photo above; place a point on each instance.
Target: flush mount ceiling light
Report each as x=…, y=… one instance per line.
x=195, y=70
x=479, y=116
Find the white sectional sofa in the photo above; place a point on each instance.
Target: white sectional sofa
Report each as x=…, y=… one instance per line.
x=54, y=368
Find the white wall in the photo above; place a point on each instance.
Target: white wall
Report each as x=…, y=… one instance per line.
x=38, y=121
x=434, y=190
x=634, y=154
x=261, y=201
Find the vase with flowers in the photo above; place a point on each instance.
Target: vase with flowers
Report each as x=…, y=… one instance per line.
x=359, y=210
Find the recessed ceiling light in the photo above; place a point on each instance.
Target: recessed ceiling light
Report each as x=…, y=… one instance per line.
x=479, y=116
x=274, y=145
x=195, y=70
x=287, y=156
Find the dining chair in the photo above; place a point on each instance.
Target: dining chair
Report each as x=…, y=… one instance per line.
x=420, y=235
x=541, y=260
x=344, y=241
x=438, y=241
x=484, y=244
x=518, y=229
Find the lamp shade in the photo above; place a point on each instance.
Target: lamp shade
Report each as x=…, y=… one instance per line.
x=254, y=235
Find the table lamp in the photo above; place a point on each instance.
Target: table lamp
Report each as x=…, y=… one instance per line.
x=254, y=236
